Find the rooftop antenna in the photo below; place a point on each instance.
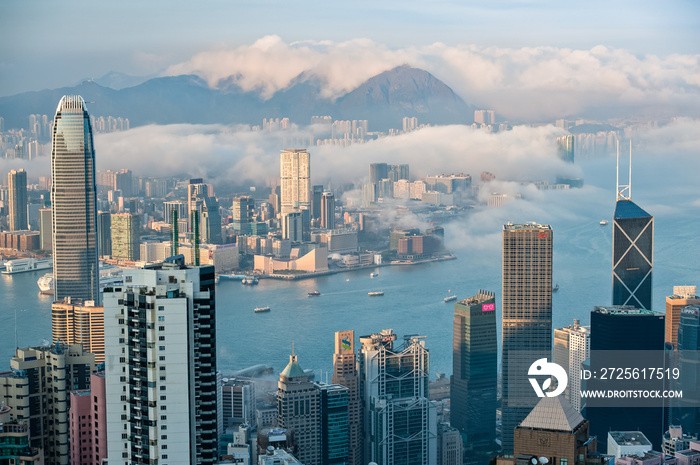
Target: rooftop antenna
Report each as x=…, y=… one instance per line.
x=624, y=191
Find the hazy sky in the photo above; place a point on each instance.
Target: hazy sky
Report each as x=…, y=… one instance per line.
x=47, y=44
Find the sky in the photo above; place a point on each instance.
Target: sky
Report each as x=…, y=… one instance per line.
x=48, y=44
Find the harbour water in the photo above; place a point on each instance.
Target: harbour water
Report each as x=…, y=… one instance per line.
x=413, y=295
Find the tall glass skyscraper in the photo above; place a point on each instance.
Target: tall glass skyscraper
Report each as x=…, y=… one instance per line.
x=633, y=255
x=527, y=317
x=73, y=195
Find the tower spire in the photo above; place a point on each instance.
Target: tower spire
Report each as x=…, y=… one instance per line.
x=624, y=191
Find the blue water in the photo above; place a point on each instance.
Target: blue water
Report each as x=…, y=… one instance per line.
x=413, y=295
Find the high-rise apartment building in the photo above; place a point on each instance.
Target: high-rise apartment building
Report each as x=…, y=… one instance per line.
x=242, y=211
x=88, y=423
x=328, y=211
x=160, y=345
x=400, y=421
x=345, y=374
x=17, y=186
x=295, y=174
x=125, y=236
x=45, y=229
x=474, y=370
x=527, y=317
x=633, y=255
x=377, y=172
x=38, y=390
x=292, y=226
x=565, y=146
x=14, y=438
x=299, y=407
x=572, y=346
x=73, y=196
x=626, y=329
x=76, y=322
x=682, y=297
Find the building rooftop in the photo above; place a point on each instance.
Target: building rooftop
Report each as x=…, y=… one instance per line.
x=293, y=369
x=553, y=413
x=624, y=310
x=528, y=226
x=627, y=209
x=629, y=438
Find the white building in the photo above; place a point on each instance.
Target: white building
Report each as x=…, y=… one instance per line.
x=572, y=346
x=161, y=366
x=623, y=443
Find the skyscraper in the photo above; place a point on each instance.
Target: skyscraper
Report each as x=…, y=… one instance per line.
x=474, y=368
x=295, y=173
x=527, y=317
x=17, y=185
x=316, y=193
x=299, y=407
x=682, y=297
x=633, y=249
x=626, y=329
x=45, y=229
x=242, y=211
x=73, y=195
x=104, y=234
x=688, y=412
x=400, y=421
x=334, y=424
x=377, y=172
x=125, y=236
x=328, y=211
x=572, y=346
x=566, y=148
x=345, y=374
x=160, y=346
x=76, y=322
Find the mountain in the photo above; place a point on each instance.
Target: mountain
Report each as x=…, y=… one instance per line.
x=382, y=100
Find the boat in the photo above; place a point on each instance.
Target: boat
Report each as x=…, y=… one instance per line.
x=603, y=222
x=555, y=288
x=314, y=293
x=22, y=265
x=373, y=275
x=45, y=283
x=450, y=298
x=250, y=280
x=262, y=309
x=375, y=293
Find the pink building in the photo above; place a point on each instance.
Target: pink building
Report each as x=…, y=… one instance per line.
x=88, y=426
x=690, y=456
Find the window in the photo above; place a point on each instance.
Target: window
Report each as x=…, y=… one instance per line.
x=161, y=347
x=163, y=427
x=164, y=436
x=161, y=338
x=161, y=358
x=164, y=456
x=161, y=307
x=162, y=397
x=162, y=368
x=162, y=388
x=163, y=417
x=161, y=318
x=161, y=328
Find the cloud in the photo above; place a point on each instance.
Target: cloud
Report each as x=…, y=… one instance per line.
x=526, y=83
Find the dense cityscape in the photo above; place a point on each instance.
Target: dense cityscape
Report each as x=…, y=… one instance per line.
x=207, y=266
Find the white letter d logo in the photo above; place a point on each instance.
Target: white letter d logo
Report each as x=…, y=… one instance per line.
x=543, y=367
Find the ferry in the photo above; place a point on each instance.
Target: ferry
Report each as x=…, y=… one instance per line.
x=45, y=283
x=251, y=280
x=373, y=275
x=262, y=309
x=603, y=222
x=22, y=265
x=314, y=293
x=450, y=298
x=375, y=293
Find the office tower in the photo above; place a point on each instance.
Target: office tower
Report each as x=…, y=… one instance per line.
x=14, y=438
x=450, y=446
x=174, y=205
x=572, y=345
x=633, y=248
x=299, y=408
x=295, y=174
x=474, y=368
x=316, y=194
x=556, y=431
x=238, y=402
x=242, y=210
x=682, y=297
x=160, y=346
x=76, y=322
x=377, y=172
x=125, y=236
x=527, y=317
x=400, y=422
x=565, y=148
x=45, y=229
x=38, y=389
x=123, y=182
x=292, y=226
x=211, y=222
x=688, y=413
x=17, y=186
x=88, y=423
x=628, y=329
x=196, y=191
x=334, y=424
x=73, y=196
x=328, y=211
x=397, y=172
x=345, y=374
x=104, y=234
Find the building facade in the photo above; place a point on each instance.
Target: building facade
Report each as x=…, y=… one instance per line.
x=633, y=255
x=104, y=234
x=17, y=186
x=527, y=317
x=572, y=346
x=73, y=203
x=76, y=322
x=295, y=174
x=160, y=345
x=345, y=374
x=474, y=368
x=682, y=297
x=125, y=236
x=88, y=423
x=328, y=211
x=688, y=412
